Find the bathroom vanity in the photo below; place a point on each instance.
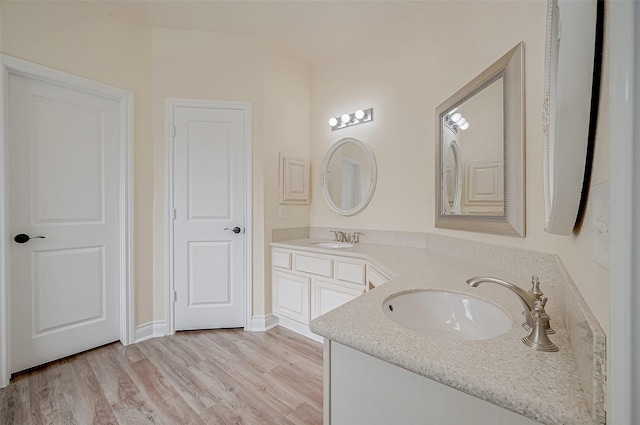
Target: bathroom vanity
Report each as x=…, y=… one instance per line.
x=308, y=284
x=379, y=372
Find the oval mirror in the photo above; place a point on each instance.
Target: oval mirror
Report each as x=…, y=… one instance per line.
x=348, y=176
x=452, y=175
x=573, y=61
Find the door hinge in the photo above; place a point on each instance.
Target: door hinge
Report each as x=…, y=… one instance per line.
x=175, y=296
x=175, y=214
x=174, y=131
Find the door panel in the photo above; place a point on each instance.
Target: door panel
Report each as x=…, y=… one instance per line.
x=63, y=181
x=209, y=192
x=210, y=262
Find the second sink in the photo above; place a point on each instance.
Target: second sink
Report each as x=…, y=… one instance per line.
x=332, y=244
x=447, y=315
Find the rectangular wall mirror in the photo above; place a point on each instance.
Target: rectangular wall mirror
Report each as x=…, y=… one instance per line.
x=480, y=169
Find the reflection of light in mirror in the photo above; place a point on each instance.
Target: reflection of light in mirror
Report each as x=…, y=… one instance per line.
x=455, y=121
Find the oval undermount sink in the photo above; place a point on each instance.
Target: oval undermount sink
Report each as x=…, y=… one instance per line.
x=447, y=315
x=332, y=244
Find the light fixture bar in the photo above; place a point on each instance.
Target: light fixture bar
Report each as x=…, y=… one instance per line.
x=346, y=120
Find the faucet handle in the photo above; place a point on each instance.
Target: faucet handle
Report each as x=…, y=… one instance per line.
x=356, y=236
x=535, y=287
x=335, y=234
x=538, y=338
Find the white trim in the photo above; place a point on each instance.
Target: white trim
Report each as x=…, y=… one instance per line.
x=125, y=100
x=246, y=107
x=154, y=329
x=263, y=323
x=299, y=328
x=624, y=338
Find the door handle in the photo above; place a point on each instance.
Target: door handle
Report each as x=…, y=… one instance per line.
x=22, y=238
x=235, y=230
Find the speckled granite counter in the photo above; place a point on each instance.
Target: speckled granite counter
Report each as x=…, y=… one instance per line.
x=546, y=387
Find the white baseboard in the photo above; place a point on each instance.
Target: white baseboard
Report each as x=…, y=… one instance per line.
x=150, y=330
x=263, y=323
x=300, y=328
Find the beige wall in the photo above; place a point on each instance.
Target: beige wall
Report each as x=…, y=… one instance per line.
x=286, y=126
x=404, y=73
x=86, y=40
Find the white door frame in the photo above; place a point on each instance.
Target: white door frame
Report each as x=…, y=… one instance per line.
x=125, y=190
x=624, y=338
x=170, y=105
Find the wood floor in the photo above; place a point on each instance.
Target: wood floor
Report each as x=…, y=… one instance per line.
x=197, y=377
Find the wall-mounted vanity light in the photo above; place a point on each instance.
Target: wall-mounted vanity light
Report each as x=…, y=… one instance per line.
x=358, y=117
x=454, y=120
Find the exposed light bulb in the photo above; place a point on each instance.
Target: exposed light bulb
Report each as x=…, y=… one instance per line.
x=345, y=118
x=464, y=126
x=456, y=117
x=333, y=121
x=359, y=114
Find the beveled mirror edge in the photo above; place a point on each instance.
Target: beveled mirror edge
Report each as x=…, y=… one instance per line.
x=514, y=222
x=373, y=179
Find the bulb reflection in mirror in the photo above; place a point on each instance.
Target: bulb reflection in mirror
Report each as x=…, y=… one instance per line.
x=456, y=117
x=464, y=126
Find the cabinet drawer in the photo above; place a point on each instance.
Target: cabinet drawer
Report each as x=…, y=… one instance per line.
x=350, y=272
x=291, y=296
x=315, y=265
x=281, y=259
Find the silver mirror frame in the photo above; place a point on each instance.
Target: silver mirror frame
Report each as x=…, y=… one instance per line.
x=512, y=221
x=372, y=181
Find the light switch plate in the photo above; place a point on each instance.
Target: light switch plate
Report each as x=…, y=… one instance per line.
x=601, y=222
x=282, y=211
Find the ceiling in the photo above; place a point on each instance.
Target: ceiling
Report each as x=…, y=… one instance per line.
x=311, y=29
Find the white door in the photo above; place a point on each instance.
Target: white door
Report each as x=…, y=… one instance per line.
x=209, y=195
x=63, y=179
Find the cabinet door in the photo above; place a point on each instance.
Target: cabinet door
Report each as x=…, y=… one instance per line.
x=291, y=296
x=329, y=295
x=375, y=277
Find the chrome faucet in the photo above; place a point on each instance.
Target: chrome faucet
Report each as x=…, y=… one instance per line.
x=340, y=236
x=537, y=320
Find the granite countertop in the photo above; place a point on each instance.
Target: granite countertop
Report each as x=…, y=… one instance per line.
x=545, y=387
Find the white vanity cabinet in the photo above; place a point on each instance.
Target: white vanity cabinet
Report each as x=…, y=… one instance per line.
x=307, y=285
x=363, y=390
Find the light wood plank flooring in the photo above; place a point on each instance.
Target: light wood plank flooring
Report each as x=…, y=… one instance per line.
x=197, y=377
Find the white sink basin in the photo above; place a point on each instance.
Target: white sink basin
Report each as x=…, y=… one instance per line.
x=332, y=244
x=447, y=315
